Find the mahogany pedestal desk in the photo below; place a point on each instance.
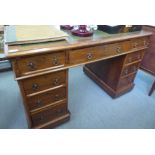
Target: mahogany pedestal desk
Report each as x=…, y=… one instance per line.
x=148, y=62
x=41, y=70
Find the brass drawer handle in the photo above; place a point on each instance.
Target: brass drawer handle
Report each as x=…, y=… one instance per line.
x=31, y=66
x=59, y=111
x=126, y=71
x=41, y=118
x=135, y=45
x=138, y=56
x=57, y=97
x=89, y=56
x=146, y=43
x=118, y=49
x=129, y=59
x=134, y=68
x=55, y=61
x=130, y=80
x=38, y=103
x=56, y=81
x=35, y=86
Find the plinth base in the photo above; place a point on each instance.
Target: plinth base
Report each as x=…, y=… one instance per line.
x=113, y=93
x=54, y=122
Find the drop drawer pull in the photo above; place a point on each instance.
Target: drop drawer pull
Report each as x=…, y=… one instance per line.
x=31, y=66
x=146, y=43
x=56, y=81
x=55, y=61
x=41, y=118
x=89, y=56
x=126, y=71
x=57, y=97
x=58, y=111
x=134, y=68
x=118, y=49
x=35, y=86
x=129, y=59
x=38, y=103
x=138, y=56
x=129, y=79
x=135, y=45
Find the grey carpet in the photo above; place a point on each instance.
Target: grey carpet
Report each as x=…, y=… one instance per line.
x=89, y=105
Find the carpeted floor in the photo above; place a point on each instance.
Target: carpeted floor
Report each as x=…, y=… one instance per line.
x=89, y=105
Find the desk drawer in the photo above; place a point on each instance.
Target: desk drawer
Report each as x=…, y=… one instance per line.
x=130, y=69
x=43, y=82
x=140, y=42
x=29, y=65
x=126, y=81
x=98, y=52
x=49, y=114
x=117, y=48
x=83, y=55
x=132, y=57
x=41, y=100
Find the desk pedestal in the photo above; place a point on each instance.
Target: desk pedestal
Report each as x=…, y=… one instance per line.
x=113, y=75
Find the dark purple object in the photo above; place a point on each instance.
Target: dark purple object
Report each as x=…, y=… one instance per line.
x=66, y=27
x=82, y=31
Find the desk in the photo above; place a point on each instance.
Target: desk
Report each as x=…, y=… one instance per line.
x=148, y=62
x=41, y=70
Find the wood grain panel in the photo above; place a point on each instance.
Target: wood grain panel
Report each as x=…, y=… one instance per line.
x=44, y=99
x=133, y=57
x=43, y=82
x=29, y=65
x=148, y=62
x=93, y=53
x=49, y=114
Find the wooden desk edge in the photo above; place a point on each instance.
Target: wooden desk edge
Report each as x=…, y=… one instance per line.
x=71, y=46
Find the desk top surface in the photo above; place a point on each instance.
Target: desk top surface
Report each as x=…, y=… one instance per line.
x=72, y=42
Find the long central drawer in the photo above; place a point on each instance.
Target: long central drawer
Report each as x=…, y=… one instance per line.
x=98, y=52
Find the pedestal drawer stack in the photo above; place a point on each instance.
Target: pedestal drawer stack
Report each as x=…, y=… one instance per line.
x=116, y=75
x=132, y=63
x=130, y=68
x=45, y=93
